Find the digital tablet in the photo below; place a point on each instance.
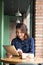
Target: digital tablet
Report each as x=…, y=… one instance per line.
x=11, y=49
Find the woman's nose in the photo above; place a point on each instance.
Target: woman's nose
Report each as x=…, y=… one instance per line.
x=19, y=34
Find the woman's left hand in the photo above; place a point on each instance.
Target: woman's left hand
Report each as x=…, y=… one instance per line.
x=20, y=52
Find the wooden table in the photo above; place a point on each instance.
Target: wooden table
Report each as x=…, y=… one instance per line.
x=16, y=60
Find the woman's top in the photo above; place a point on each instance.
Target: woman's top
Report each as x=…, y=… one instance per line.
x=27, y=45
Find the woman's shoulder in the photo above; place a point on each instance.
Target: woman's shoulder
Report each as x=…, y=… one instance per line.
x=14, y=39
x=30, y=38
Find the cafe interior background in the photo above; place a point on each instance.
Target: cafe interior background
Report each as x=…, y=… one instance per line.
x=16, y=11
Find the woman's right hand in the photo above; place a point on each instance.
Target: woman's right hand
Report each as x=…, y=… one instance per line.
x=9, y=55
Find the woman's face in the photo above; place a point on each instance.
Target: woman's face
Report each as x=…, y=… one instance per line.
x=20, y=34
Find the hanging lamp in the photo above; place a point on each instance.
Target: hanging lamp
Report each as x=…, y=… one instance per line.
x=17, y=21
x=18, y=12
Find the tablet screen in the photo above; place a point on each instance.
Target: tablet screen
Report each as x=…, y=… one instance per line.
x=10, y=49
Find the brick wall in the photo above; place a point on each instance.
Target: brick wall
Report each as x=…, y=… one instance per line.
x=12, y=29
x=39, y=28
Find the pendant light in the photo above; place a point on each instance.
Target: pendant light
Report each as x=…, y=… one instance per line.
x=18, y=12
x=17, y=21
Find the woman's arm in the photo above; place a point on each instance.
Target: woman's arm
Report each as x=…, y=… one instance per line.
x=31, y=45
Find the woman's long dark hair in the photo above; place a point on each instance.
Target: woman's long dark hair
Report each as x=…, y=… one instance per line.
x=23, y=28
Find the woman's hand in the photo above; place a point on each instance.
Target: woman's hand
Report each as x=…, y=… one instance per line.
x=9, y=55
x=20, y=52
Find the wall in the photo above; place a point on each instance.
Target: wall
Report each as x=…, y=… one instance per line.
x=39, y=28
x=28, y=19
x=6, y=29
x=6, y=32
x=0, y=25
x=12, y=30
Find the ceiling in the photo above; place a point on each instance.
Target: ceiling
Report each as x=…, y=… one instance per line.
x=11, y=6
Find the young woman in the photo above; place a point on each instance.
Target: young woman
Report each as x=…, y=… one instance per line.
x=23, y=42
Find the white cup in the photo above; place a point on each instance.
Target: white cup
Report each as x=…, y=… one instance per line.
x=24, y=55
x=31, y=55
